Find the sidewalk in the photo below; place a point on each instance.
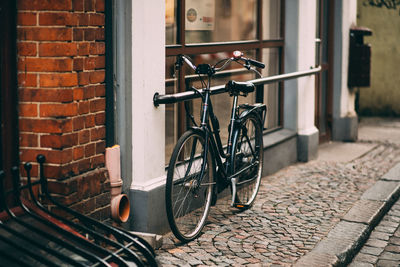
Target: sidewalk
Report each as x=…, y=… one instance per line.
x=297, y=208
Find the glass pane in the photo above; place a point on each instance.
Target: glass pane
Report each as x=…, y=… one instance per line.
x=220, y=20
x=171, y=114
x=271, y=19
x=170, y=22
x=270, y=57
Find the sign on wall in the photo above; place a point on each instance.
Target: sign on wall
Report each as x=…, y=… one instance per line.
x=200, y=15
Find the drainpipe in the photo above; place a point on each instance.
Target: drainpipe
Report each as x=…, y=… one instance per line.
x=120, y=207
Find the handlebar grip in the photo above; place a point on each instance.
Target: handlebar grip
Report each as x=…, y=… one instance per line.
x=256, y=63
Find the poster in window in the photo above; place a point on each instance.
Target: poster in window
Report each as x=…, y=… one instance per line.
x=200, y=15
x=169, y=12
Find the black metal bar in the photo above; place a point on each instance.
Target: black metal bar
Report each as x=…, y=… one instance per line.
x=137, y=241
x=110, y=132
x=72, y=236
x=94, y=234
x=34, y=242
x=188, y=95
x=79, y=251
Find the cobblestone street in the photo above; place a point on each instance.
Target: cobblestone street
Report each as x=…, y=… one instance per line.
x=295, y=209
x=383, y=246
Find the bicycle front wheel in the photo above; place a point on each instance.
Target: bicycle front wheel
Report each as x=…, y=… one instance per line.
x=247, y=161
x=189, y=188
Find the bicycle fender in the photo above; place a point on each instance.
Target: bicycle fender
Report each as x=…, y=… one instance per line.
x=258, y=108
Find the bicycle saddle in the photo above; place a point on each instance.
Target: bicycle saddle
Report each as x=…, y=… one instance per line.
x=234, y=88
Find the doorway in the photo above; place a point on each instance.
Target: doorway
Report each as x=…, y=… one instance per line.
x=324, y=85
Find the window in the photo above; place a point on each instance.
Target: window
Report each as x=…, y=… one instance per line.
x=209, y=30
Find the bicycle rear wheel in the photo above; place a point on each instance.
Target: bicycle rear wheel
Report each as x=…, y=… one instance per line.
x=189, y=188
x=247, y=161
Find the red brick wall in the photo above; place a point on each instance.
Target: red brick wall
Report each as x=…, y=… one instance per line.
x=61, y=71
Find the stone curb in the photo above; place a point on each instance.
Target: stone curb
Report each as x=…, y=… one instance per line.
x=348, y=236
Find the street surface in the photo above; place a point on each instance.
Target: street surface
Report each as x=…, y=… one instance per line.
x=295, y=209
x=383, y=246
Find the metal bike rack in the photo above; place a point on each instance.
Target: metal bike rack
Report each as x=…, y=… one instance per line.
x=188, y=95
x=32, y=235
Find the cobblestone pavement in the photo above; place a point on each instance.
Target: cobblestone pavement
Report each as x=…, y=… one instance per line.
x=296, y=207
x=383, y=246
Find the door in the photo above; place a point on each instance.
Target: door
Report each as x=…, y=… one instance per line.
x=8, y=90
x=323, y=94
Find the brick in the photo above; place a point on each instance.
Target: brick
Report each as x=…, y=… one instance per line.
x=59, y=141
x=90, y=63
x=102, y=200
x=84, y=49
x=97, y=133
x=78, y=64
x=28, y=140
x=45, y=125
x=84, y=137
x=89, y=92
x=89, y=5
x=26, y=19
x=78, y=123
x=83, y=107
x=100, y=5
x=100, y=62
x=100, y=147
x=28, y=110
x=58, y=80
x=58, y=49
x=83, y=165
x=52, y=156
x=100, y=118
x=98, y=105
x=83, y=78
x=27, y=79
x=78, y=34
x=26, y=49
x=100, y=90
x=96, y=19
x=44, y=5
x=77, y=5
x=90, y=121
x=58, y=19
x=83, y=19
x=97, y=48
x=97, y=162
x=78, y=93
x=78, y=152
x=46, y=95
x=63, y=187
x=97, y=76
x=94, y=34
x=45, y=34
x=45, y=64
x=90, y=150
x=58, y=110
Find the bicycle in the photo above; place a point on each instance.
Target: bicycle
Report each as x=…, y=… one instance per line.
x=200, y=167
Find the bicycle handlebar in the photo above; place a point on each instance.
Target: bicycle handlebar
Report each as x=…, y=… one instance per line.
x=237, y=56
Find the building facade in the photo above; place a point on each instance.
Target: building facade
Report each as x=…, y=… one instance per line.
x=87, y=72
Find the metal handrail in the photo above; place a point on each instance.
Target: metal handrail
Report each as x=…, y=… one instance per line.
x=183, y=96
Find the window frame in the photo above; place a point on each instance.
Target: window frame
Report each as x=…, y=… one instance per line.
x=215, y=47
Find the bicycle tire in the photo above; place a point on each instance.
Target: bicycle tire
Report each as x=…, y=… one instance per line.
x=187, y=205
x=247, y=151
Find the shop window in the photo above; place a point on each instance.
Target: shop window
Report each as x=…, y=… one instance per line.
x=209, y=30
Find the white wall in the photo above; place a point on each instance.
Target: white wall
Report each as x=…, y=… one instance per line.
x=148, y=73
x=306, y=60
